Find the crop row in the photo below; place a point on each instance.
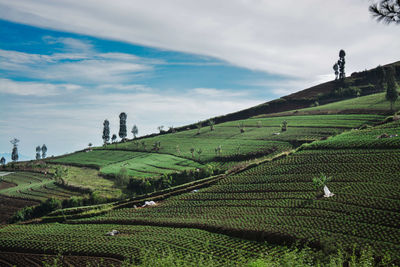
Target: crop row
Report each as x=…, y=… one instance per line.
x=132, y=241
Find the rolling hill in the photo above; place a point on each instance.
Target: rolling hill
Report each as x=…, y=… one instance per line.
x=240, y=191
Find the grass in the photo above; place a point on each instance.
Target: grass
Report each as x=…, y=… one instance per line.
x=371, y=103
x=34, y=186
x=277, y=200
x=138, y=164
x=259, y=135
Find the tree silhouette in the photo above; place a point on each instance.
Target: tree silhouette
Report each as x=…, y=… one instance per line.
x=44, y=151
x=387, y=11
x=336, y=69
x=14, y=153
x=2, y=161
x=391, y=92
x=106, y=131
x=341, y=62
x=38, y=150
x=122, y=125
x=134, y=131
x=381, y=78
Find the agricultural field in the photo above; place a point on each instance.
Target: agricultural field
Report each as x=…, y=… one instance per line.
x=277, y=200
x=369, y=104
x=137, y=164
x=133, y=242
x=33, y=186
x=258, y=135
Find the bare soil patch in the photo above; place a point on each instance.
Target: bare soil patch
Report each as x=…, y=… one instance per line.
x=9, y=205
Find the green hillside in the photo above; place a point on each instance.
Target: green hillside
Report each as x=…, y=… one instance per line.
x=260, y=200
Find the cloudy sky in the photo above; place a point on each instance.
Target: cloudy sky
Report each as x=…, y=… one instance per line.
x=67, y=65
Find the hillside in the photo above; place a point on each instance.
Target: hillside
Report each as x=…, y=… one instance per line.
x=226, y=194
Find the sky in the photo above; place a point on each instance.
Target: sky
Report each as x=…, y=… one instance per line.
x=67, y=65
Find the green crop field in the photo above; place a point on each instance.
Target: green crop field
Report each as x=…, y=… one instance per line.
x=372, y=103
x=133, y=242
x=278, y=199
x=137, y=164
x=260, y=134
x=34, y=186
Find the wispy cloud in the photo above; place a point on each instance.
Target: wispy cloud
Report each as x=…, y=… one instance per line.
x=286, y=37
x=34, y=88
x=78, y=63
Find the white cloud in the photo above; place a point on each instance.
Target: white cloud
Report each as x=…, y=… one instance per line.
x=34, y=88
x=295, y=38
x=79, y=64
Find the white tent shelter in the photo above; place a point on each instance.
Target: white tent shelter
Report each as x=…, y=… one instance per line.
x=327, y=192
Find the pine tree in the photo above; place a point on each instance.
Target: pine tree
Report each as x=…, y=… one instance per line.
x=391, y=91
x=44, y=151
x=38, y=150
x=106, y=131
x=341, y=63
x=122, y=125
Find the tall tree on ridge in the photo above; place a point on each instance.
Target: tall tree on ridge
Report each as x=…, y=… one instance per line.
x=14, y=153
x=341, y=62
x=387, y=11
x=44, y=151
x=2, y=161
x=336, y=69
x=122, y=125
x=134, y=131
x=106, y=131
x=38, y=150
x=391, y=91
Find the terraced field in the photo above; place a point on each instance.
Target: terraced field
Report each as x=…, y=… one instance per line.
x=276, y=201
x=258, y=135
x=137, y=164
x=34, y=186
x=133, y=242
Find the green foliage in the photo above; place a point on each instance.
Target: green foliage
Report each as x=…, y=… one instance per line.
x=284, y=126
x=135, y=131
x=44, y=151
x=122, y=125
x=391, y=92
x=122, y=178
x=211, y=123
x=320, y=182
x=106, y=131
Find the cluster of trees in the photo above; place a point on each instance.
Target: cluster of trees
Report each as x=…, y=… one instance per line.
x=41, y=152
x=122, y=130
x=339, y=66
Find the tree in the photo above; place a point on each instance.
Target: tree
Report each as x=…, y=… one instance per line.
x=381, y=78
x=44, y=151
x=198, y=127
x=341, y=63
x=122, y=125
x=134, y=131
x=90, y=146
x=192, y=151
x=320, y=182
x=211, y=123
x=391, y=91
x=38, y=150
x=336, y=69
x=106, y=131
x=2, y=161
x=284, y=126
x=14, y=153
x=160, y=128
x=387, y=11
x=113, y=138
x=199, y=151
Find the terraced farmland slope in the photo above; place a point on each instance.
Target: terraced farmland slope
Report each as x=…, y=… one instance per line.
x=138, y=164
x=276, y=201
x=262, y=135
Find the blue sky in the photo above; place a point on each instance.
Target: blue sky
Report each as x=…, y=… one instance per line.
x=67, y=65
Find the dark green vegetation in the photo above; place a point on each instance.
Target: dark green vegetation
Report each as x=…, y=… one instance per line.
x=263, y=200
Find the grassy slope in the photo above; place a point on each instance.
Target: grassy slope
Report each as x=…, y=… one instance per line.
x=34, y=186
x=277, y=201
x=258, y=135
x=138, y=164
